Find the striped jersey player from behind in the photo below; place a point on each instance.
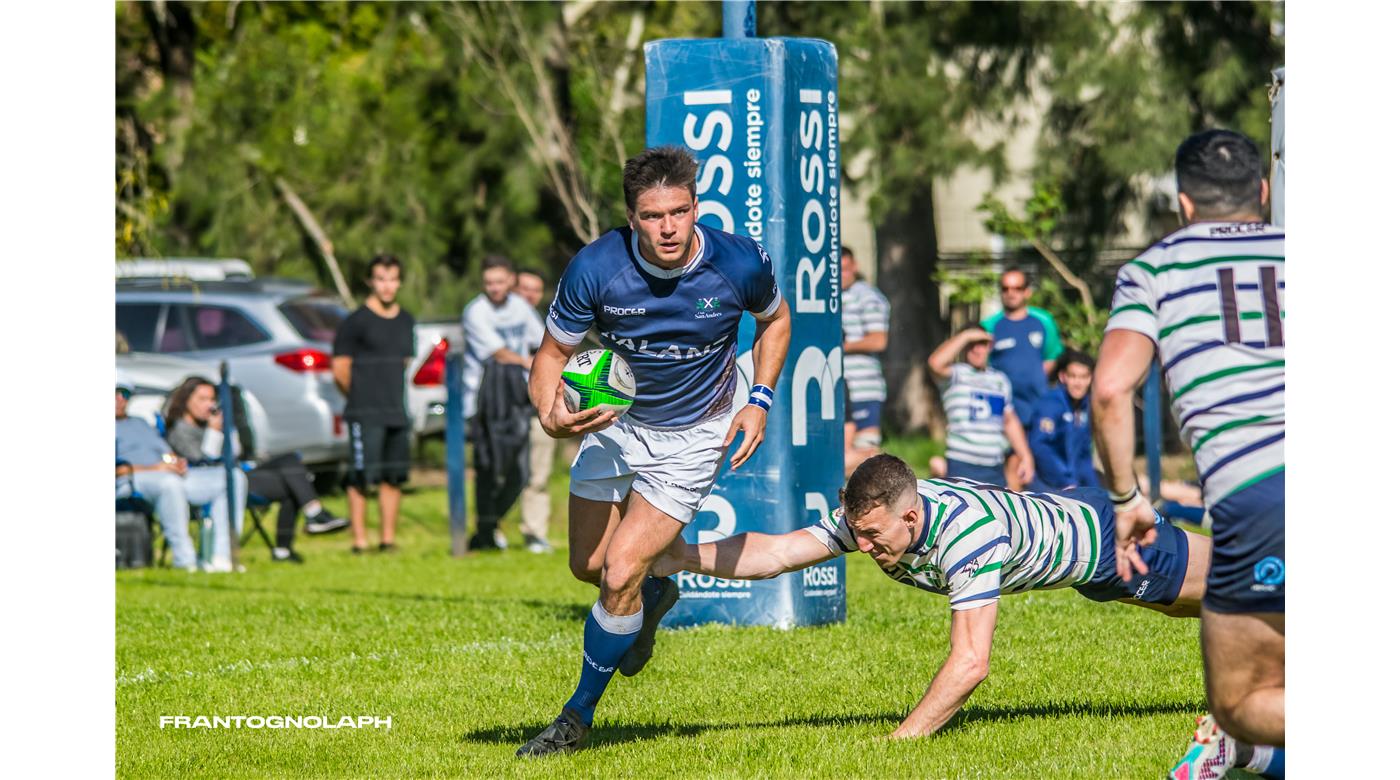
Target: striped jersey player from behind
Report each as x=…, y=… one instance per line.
x=1208, y=300
x=1211, y=297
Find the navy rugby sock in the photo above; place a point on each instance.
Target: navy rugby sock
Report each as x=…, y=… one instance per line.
x=606, y=638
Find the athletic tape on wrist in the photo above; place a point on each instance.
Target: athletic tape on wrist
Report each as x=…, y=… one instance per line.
x=762, y=397
x=1125, y=501
x=1123, y=498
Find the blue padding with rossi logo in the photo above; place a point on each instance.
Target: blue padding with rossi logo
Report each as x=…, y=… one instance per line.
x=760, y=114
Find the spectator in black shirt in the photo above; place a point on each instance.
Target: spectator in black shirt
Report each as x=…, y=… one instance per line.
x=372, y=349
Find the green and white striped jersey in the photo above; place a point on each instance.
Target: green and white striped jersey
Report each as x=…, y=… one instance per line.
x=863, y=311
x=1211, y=296
x=975, y=403
x=978, y=542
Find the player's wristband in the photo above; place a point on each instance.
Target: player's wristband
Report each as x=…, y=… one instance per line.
x=1123, y=501
x=762, y=397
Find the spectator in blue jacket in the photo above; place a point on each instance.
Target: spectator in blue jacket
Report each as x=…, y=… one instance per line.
x=1059, y=432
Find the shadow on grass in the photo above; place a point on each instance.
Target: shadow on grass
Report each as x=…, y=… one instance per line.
x=557, y=610
x=621, y=733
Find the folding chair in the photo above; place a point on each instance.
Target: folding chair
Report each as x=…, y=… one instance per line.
x=135, y=503
x=257, y=509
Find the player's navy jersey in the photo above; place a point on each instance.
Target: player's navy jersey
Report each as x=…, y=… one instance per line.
x=677, y=328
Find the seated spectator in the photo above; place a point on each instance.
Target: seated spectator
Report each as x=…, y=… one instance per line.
x=194, y=428
x=1060, y=437
x=147, y=464
x=981, y=418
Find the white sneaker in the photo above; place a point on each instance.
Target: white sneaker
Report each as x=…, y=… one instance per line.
x=500, y=539
x=537, y=545
x=1211, y=755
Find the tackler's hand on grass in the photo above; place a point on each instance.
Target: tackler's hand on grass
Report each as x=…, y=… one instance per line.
x=561, y=423
x=1136, y=524
x=752, y=420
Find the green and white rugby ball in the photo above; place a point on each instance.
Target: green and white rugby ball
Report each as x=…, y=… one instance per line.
x=598, y=378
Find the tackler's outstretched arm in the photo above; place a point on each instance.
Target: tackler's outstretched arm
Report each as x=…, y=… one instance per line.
x=749, y=556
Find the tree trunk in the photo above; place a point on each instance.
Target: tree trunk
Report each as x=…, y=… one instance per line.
x=173, y=28
x=907, y=251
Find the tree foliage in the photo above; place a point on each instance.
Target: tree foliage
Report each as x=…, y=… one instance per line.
x=383, y=118
x=445, y=131
x=1127, y=84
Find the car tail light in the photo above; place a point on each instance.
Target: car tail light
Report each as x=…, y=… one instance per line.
x=435, y=367
x=337, y=426
x=304, y=360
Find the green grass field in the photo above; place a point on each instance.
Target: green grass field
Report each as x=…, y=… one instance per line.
x=471, y=657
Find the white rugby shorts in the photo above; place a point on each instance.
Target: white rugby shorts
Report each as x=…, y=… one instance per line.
x=673, y=469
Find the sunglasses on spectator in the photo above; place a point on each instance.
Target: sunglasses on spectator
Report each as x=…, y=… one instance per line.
x=1006, y=288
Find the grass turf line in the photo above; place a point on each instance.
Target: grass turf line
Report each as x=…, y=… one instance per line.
x=471, y=657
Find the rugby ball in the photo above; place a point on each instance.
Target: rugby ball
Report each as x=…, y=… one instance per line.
x=598, y=378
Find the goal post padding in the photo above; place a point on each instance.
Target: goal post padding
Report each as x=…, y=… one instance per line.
x=760, y=114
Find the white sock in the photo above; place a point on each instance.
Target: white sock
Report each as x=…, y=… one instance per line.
x=1258, y=762
x=312, y=507
x=616, y=624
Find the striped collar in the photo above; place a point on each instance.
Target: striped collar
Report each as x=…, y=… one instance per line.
x=670, y=273
x=923, y=542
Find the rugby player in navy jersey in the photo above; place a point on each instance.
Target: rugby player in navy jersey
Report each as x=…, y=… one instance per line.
x=667, y=295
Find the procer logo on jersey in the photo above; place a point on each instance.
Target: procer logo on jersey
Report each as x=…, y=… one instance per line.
x=624, y=311
x=706, y=308
x=1238, y=229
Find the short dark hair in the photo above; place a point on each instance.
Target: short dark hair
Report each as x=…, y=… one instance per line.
x=386, y=260
x=845, y=250
x=661, y=166
x=497, y=261
x=879, y=481
x=1072, y=356
x=1219, y=171
x=532, y=272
